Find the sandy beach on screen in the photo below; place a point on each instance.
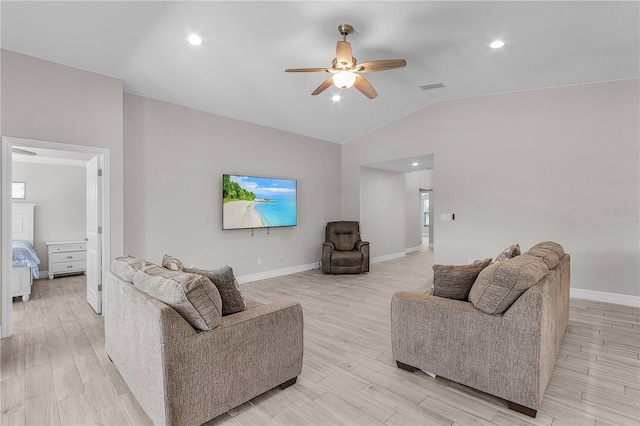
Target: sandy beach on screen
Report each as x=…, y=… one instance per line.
x=241, y=214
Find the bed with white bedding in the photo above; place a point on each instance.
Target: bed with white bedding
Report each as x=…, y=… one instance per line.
x=24, y=259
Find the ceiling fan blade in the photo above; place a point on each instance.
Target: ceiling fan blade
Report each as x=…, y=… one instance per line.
x=306, y=70
x=365, y=87
x=344, y=55
x=326, y=84
x=387, y=64
x=22, y=151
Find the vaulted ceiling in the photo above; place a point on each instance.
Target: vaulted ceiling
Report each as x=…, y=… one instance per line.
x=238, y=71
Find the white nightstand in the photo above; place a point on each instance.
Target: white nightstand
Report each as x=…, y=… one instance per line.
x=67, y=257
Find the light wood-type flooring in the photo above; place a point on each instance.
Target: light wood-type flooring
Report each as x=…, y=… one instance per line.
x=54, y=369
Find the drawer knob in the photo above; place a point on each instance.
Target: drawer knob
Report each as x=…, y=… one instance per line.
x=69, y=266
x=69, y=257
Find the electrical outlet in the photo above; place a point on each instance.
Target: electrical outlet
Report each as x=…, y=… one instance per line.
x=259, y=261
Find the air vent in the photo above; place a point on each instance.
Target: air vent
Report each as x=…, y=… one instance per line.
x=431, y=86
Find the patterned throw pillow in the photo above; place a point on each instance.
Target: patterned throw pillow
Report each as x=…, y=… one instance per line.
x=223, y=278
x=499, y=285
x=548, y=251
x=192, y=296
x=126, y=266
x=508, y=253
x=455, y=281
x=172, y=263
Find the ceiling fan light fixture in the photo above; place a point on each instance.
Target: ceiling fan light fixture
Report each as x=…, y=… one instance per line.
x=194, y=40
x=346, y=71
x=344, y=79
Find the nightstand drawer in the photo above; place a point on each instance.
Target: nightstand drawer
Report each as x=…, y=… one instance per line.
x=54, y=248
x=71, y=256
x=64, y=267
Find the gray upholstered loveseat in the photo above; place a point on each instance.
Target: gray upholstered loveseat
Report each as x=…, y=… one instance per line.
x=510, y=355
x=184, y=376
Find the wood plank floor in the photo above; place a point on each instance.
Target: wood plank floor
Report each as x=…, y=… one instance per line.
x=54, y=369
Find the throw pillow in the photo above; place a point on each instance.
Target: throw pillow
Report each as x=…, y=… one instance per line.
x=455, y=281
x=548, y=251
x=499, y=285
x=126, y=266
x=192, y=296
x=223, y=278
x=172, y=263
x=508, y=253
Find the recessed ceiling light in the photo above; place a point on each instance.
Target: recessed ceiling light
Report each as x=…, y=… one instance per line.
x=497, y=44
x=335, y=98
x=195, y=39
x=415, y=164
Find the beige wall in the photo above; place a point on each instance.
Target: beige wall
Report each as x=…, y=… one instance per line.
x=174, y=161
x=525, y=167
x=382, y=219
x=51, y=102
x=60, y=195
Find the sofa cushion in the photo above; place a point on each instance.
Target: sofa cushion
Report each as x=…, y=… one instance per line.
x=508, y=253
x=126, y=266
x=455, y=281
x=172, y=263
x=227, y=285
x=500, y=284
x=346, y=259
x=548, y=251
x=343, y=234
x=192, y=296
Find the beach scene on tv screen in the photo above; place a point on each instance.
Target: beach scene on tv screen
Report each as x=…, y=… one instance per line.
x=257, y=202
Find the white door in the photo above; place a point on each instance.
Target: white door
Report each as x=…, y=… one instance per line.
x=94, y=231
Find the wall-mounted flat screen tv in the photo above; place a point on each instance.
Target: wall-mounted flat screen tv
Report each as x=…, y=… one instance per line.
x=250, y=202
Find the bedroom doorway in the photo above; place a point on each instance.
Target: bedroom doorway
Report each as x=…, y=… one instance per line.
x=98, y=195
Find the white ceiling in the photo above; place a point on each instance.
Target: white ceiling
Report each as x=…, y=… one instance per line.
x=405, y=165
x=239, y=70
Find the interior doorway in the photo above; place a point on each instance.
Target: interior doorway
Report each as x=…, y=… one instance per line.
x=426, y=203
x=99, y=206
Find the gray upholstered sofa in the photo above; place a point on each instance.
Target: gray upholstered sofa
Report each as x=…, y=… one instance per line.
x=184, y=376
x=510, y=355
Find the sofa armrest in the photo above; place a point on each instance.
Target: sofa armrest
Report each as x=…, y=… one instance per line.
x=451, y=338
x=137, y=326
x=248, y=354
x=270, y=312
x=327, y=249
x=363, y=247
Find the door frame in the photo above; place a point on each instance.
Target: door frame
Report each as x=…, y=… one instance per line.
x=6, y=202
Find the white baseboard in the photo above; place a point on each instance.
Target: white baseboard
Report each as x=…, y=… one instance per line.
x=387, y=257
x=412, y=249
x=43, y=274
x=430, y=245
x=601, y=296
x=277, y=272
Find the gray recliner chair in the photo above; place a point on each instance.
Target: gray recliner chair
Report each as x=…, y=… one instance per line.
x=343, y=251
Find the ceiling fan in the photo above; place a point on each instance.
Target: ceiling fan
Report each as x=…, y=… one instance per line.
x=346, y=70
x=22, y=151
